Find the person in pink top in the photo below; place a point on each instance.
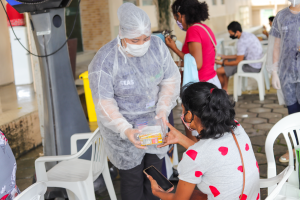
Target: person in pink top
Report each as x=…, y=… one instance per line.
x=200, y=40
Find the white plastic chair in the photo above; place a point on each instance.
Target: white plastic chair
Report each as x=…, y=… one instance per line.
x=284, y=186
x=259, y=77
x=34, y=192
x=75, y=174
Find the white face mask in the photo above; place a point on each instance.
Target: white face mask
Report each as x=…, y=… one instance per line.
x=137, y=50
x=294, y=2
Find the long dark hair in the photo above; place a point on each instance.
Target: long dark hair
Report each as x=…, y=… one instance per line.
x=212, y=106
x=193, y=10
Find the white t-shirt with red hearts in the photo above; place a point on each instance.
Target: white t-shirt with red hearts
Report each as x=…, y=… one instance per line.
x=215, y=166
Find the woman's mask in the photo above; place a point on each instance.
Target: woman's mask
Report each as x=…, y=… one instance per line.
x=137, y=50
x=187, y=125
x=180, y=25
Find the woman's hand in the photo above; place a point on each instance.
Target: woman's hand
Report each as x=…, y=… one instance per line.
x=131, y=135
x=173, y=137
x=170, y=43
x=155, y=187
x=218, y=62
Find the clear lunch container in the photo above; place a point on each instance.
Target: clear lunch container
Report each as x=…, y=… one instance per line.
x=153, y=131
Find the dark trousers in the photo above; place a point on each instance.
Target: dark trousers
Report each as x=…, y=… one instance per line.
x=294, y=108
x=134, y=183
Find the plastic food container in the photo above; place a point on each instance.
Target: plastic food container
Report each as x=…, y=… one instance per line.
x=153, y=131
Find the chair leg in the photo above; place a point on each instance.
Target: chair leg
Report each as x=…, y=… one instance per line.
x=266, y=78
x=71, y=195
x=89, y=189
x=261, y=88
x=235, y=87
x=240, y=80
x=108, y=182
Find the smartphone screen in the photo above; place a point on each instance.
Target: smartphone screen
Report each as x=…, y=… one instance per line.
x=162, y=181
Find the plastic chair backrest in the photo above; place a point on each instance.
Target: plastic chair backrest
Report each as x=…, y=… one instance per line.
x=34, y=192
x=289, y=126
x=98, y=154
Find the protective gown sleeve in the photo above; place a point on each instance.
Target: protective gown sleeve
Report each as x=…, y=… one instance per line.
x=170, y=85
x=274, y=46
x=101, y=84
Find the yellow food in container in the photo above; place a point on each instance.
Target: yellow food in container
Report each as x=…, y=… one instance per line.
x=151, y=139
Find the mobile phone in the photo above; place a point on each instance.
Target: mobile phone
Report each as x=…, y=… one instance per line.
x=161, y=180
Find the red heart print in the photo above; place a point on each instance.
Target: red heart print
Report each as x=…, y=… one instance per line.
x=247, y=147
x=257, y=166
x=240, y=168
x=214, y=191
x=223, y=150
x=244, y=197
x=257, y=198
x=192, y=154
x=198, y=173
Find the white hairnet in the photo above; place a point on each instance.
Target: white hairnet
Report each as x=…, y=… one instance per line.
x=283, y=50
x=124, y=92
x=134, y=22
x=294, y=2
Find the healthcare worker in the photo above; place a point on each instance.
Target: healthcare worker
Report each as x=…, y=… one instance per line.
x=284, y=57
x=133, y=77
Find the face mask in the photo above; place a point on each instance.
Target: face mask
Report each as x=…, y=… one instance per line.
x=233, y=37
x=137, y=50
x=294, y=2
x=187, y=125
x=180, y=25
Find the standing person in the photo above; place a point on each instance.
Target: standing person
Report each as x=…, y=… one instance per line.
x=221, y=158
x=248, y=48
x=200, y=41
x=133, y=77
x=284, y=58
x=265, y=32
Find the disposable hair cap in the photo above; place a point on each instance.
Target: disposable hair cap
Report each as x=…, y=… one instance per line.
x=134, y=22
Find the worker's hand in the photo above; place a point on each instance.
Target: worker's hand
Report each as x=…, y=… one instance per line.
x=275, y=81
x=170, y=43
x=155, y=187
x=132, y=136
x=173, y=137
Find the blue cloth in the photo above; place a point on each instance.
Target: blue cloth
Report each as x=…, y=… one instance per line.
x=190, y=73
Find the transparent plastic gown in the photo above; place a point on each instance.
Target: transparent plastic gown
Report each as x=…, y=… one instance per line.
x=126, y=89
x=284, y=53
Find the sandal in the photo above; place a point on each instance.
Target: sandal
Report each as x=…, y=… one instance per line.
x=285, y=157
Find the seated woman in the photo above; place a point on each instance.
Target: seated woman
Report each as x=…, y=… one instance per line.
x=214, y=163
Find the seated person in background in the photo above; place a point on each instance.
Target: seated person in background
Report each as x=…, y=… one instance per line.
x=265, y=32
x=214, y=162
x=8, y=169
x=248, y=48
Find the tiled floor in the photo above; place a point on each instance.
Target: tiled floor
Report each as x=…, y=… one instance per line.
x=256, y=117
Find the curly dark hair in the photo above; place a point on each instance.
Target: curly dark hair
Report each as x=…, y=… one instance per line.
x=193, y=10
x=214, y=109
